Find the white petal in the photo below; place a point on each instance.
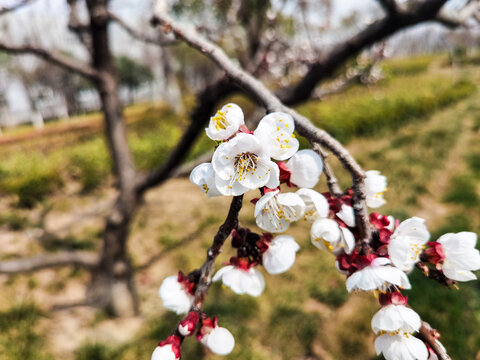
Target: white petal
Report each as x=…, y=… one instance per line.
x=306, y=166
x=348, y=240
x=280, y=255
x=241, y=281
x=455, y=273
x=203, y=176
x=316, y=205
x=225, y=123
x=347, y=215
x=391, y=318
x=223, y=160
x=325, y=230
x=174, y=297
x=220, y=341
x=228, y=187
x=164, y=352
x=262, y=202
x=293, y=205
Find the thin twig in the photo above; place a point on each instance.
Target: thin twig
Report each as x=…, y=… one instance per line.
x=429, y=336
x=332, y=181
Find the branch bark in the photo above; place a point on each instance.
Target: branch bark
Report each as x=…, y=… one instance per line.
x=26, y=265
x=429, y=336
x=63, y=61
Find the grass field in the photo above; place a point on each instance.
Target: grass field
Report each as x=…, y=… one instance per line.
x=420, y=127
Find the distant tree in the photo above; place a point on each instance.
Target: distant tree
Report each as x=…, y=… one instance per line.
x=132, y=74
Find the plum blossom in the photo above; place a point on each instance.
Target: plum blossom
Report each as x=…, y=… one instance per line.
x=305, y=167
x=378, y=275
x=275, y=211
x=407, y=243
x=280, y=255
x=168, y=349
x=242, y=278
x=396, y=318
x=376, y=185
x=243, y=164
x=218, y=339
x=225, y=123
x=460, y=255
x=203, y=176
x=327, y=234
x=276, y=130
x=401, y=347
x=187, y=326
x=316, y=205
x=176, y=293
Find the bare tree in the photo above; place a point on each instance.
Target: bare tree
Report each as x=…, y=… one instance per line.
x=112, y=282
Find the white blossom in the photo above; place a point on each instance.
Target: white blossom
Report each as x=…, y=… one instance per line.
x=276, y=130
x=275, y=211
x=461, y=257
x=225, y=123
x=174, y=296
x=305, y=166
x=316, y=206
x=203, y=176
x=396, y=318
x=219, y=340
x=347, y=215
x=376, y=185
x=164, y=352
x=243, y=164
x=326, y=234
x=401, y=347
x=407, y=242
x=241, y=281
x=379, y=275
x=280, y=254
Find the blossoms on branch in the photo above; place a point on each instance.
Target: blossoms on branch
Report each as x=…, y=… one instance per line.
x=243, y=164
x=305, y=168
x=375, y=185
x=407, y=243
x=276, y=130
x=218, y=339
x=275, y=211
x=177, y=293
x=241, y=277
x=460, y=257
x=225, y=123
x=280, y=255
x=204, y=177
x=316, y=206
x=168, y=349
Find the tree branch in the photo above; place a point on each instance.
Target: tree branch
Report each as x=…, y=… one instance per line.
x=265, y=97
x=332, y=181
x=54, y=58
x=134, y=33
x=26, y=265
x=430, y=336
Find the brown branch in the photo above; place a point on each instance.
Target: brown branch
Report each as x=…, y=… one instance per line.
x=332, y=181
x=20, y=4
x=134, y=33
x=272, y=103
x=206, y=271
x=55, y=58
x=26, y=265
x=390, y=6
x=379, y=30
x=430, y=336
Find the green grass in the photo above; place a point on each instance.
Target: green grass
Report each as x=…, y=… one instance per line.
x=462, y=191
x=407, y=66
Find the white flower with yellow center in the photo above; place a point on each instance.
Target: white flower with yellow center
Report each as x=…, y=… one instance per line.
x=407, y=242
x=204, y=177
x=274, y=212
x=316, y=206
x=401, y=347
x=327, y=235
x=276, y=130
x=379, y=275
x=461, y=257
x=225, y=123
x=376, y=185
x=305, y=166
x=394, y=319
x=243, y=164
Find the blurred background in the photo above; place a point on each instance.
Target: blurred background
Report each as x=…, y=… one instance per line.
x=407, y=106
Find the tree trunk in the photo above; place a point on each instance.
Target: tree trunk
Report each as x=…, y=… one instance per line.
x=112, y=285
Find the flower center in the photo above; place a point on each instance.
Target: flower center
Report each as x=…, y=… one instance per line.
x=245, y=163
x=278, y=214
x=220, y=121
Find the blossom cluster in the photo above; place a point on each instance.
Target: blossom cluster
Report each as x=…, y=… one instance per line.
x=268, y=157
